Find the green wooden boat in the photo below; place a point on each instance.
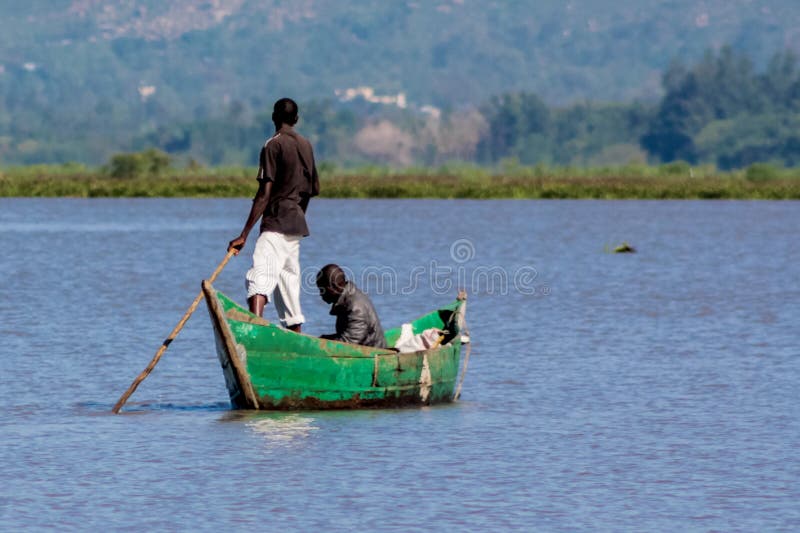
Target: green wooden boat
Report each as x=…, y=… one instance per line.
x=268, y=367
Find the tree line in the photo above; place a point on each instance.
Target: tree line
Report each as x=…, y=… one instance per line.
x=721, y=111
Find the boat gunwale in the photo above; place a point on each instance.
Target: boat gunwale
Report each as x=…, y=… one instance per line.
x=368, y=352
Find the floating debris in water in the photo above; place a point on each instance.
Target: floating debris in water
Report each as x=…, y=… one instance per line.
x=624, y=248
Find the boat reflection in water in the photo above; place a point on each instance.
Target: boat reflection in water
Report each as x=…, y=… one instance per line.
x=281, y=429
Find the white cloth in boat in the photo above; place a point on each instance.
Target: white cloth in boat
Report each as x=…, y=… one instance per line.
x=409, y=342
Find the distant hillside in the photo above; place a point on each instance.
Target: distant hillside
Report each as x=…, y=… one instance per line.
x=114, y=69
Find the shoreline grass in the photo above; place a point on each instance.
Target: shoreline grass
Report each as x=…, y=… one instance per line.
x=676, y=181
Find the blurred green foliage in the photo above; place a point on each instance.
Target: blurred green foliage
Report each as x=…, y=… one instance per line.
x=760, y=172
x=150, y=162
x=721, y=111
x=463, y=181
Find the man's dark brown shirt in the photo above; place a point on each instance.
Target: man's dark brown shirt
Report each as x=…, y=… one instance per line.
x=287, y=160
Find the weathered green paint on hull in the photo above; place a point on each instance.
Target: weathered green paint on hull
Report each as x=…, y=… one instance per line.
x=268, y=367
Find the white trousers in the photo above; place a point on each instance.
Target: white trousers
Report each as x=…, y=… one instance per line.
x=276, y=264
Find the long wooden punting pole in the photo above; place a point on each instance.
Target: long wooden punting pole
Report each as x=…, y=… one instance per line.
x=146, y=372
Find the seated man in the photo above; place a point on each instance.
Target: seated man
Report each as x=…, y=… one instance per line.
x=356, y=319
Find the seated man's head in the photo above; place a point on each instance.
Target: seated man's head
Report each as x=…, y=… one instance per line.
x=330, y=282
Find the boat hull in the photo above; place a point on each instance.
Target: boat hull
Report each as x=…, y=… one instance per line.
x=268, y=367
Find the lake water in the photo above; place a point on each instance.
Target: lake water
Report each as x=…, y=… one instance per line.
x=650, y=391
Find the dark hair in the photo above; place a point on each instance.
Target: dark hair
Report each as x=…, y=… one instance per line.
x=331, y=276
x=285, y=112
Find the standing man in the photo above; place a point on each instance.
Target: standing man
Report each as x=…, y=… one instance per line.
x=287, y=179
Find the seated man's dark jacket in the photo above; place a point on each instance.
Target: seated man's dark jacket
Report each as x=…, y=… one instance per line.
x=356, y=319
